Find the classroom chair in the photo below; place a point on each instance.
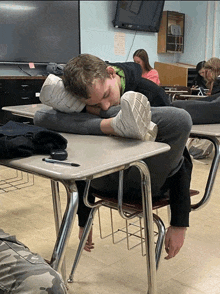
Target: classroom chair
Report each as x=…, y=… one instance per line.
x=127, y=211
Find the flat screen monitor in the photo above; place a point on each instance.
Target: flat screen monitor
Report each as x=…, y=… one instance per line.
x=139, y=15
x=39, y=31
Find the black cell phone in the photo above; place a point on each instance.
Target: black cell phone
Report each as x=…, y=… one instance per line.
x=59, y=154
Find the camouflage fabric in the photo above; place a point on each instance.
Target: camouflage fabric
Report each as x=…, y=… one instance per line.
x=22, y=271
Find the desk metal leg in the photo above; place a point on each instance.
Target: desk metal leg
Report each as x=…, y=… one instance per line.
x=148, y=225
x=82, y=242
x=57, y=217
x=87, y=228
x=66, y=225
x=212, y=172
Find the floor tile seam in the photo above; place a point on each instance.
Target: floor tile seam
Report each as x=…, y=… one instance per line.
x=185, y=270
x=195, y=265
x=92, y=274
x=188, y=286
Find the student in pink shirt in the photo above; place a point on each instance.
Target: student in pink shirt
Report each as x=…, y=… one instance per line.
x=140, y=56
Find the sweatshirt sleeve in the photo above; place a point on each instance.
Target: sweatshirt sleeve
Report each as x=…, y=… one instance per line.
x=180, y=204
x=155, y=94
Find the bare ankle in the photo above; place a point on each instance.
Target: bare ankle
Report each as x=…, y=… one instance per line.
x=106, y=127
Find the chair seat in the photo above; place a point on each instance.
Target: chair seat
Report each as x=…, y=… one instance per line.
x=137, y=207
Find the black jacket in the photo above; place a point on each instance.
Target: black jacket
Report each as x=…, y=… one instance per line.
x=199, y=81
x=22, y=140
x=216, y=86
x=134, y=82
x=179, y=184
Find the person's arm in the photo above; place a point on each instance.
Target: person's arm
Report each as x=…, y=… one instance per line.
x=155, y=94
x=153, y=76
x=180, y=207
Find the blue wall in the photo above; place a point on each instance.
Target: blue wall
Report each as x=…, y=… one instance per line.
x=199, y=33
x=97, y=32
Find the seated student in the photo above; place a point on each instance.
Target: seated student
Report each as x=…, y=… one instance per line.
x=212, y=69
x=199, y=80
x=107, y=91
x=205, y=110
x=140, y=56
x=24, y=272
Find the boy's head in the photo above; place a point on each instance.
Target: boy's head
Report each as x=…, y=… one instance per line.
x=91, y=79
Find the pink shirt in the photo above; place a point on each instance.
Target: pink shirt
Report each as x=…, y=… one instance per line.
x=152, y=75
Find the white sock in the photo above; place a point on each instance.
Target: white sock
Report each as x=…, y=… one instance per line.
x=134, y=118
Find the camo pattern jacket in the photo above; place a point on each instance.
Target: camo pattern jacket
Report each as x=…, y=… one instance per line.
x=22, y=271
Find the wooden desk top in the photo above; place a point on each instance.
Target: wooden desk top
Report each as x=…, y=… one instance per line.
x=209, y=129
x=94, y=154
x=23, y=77
x=192, y=97
x=26, y=110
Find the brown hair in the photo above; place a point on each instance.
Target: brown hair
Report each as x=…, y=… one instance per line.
x=142, y=54
x=80, y=73
x=214, y=65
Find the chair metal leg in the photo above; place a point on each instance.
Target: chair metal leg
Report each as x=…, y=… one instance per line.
x=147, y=216
x=82, y=242
x=160, y=238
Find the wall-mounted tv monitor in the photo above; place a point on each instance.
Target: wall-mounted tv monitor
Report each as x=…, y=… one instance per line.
x=39, y=31
x=139, y=15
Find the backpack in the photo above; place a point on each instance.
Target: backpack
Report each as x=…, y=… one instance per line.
x=199, y=148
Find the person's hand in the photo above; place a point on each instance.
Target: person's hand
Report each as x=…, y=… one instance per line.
x=174, y=240
x=89, y=244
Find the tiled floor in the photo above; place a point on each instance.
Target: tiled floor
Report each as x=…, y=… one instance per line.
x=28, y=213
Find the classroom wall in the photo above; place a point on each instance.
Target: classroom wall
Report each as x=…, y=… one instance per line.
x=98, y=32
x=202, y=30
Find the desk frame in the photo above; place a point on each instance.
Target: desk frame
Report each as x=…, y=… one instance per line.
x=133, y=151
x=64, y=225
x=213, y=169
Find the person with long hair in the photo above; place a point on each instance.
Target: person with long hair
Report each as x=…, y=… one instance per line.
x=206, y=110
x=140, y=56
x=199, y=80
x=212, y=74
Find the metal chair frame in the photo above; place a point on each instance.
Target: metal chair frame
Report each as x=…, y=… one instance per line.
x=127, y=212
